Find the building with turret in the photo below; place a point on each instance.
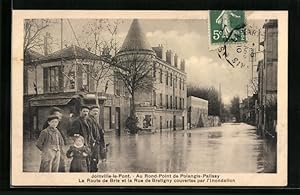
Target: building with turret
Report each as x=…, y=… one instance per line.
x=163, y=106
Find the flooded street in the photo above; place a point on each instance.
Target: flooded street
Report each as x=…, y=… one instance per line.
x=231, y=148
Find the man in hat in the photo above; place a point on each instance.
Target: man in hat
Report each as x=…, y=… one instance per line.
x=50, y=143
x=98, y=147
x=63, y=127
x=80, y=126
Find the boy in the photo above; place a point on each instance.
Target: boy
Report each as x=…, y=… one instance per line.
x=50, y=143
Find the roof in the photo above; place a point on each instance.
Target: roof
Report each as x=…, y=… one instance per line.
x=51, y=99
x=32, y=56
x=71, y=52
x=135, y=39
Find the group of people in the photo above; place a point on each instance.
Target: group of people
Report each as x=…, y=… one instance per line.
x=88, y=146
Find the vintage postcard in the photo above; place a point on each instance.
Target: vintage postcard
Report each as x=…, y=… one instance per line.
x=149, y=98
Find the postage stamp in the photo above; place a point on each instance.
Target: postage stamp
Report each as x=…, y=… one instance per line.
x=227, y=26
x=139, y=98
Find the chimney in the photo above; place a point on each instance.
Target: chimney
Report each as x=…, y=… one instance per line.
x=176, y=60
x=170, y=57
x=182, y=65
x=159, y=50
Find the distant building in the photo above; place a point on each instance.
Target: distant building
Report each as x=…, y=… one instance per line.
x=267, y=80
x=162, y=107
x=197, y=112
x=247, y=110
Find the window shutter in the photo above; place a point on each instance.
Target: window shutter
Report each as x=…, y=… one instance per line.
x=79, y=77
x=61, y=78
x=45, y=78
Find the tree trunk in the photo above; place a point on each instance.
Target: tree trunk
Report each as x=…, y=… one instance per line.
x=96, y=92
x=132, y=105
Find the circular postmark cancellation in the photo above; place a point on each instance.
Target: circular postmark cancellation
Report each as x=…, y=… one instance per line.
x=236, y=42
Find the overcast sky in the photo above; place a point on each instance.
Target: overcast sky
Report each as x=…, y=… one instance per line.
x=187, y=38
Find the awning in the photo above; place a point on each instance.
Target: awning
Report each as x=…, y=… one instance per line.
x=50, y=102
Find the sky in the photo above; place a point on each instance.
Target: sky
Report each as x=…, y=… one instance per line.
x=189, y=39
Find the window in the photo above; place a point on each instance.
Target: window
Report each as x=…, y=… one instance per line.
x=171, y=105
x=160, y=100
x=175, y=82
x=53, y=79
x=118, y=87
x=179, y=83
x=180, y=106
x=72, y=80
x=154, y=98
x=182, y=84
x=182, y=103
x=167, y=78
x=175, y=102
x=110, y=121
x=160, y=76
x=171, y=79
x=167, y=101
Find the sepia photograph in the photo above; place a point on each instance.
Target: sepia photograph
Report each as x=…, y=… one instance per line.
x=140, y=100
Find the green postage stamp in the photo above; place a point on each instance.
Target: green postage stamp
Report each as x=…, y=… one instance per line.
x=226, y=26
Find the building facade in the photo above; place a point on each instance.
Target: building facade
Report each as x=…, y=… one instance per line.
x=58, y=78
x=163, y=107
x=267, y=81
x=197, y=112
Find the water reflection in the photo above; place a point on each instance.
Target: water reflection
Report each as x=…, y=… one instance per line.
x=226, y=149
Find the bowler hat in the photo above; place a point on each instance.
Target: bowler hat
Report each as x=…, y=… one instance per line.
x=94, y=106
x=84, y=106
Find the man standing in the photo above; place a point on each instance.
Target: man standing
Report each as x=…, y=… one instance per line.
x=98, y=148
x=80, y=126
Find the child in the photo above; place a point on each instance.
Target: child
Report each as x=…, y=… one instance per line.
x=50, y=143
x=80, y=153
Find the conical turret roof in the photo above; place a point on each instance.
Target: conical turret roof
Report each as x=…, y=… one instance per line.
x=135, y=39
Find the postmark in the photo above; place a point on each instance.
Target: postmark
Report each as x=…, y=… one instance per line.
x=243, y=54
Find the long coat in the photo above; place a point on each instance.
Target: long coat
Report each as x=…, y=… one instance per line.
x=79, y=162
x=81, y=127
x=98, y=134
x=47, y=144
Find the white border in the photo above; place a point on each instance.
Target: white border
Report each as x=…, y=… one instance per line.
x=19, y=178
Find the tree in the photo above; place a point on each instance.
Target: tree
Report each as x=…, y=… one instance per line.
x=134, y=69
x=235, y=108
x=99, y=36
x=34, y=40
x=33, y=31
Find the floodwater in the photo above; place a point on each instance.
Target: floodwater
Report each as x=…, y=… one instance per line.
x=230, y=148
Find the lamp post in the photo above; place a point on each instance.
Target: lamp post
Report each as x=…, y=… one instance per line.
x=101, y=100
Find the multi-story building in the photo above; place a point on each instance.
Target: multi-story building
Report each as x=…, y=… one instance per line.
x=58, y=78
x=164, y=105
x=267, y=80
